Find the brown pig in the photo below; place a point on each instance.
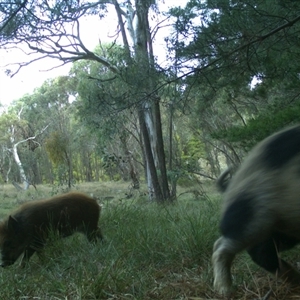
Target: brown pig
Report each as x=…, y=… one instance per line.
x=26, y=229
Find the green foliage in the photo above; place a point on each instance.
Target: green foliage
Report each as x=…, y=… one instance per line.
x=192, y=150
x=56, y=146
x=22, y=19
x=102, y=94
x=234, y=43
x=229, y=28
x=186, y=161
x=261, y=126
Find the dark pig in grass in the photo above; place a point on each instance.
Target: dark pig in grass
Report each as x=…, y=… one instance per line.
x=26, y=230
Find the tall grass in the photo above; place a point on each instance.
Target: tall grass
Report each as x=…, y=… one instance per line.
x=150, y=252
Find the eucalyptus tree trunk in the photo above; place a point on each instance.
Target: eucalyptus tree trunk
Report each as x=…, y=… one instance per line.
x=148, y=104
x=149, y=108
x=17, y=159
x=20, y=167
x=25, y=181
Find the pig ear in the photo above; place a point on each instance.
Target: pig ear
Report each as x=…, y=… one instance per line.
x=12, y=224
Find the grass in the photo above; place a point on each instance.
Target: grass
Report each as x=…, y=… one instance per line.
x=150, y=252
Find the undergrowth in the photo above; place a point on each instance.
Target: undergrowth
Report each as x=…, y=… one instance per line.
x=150, y=252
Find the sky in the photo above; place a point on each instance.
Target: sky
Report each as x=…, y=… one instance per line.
x=33, y=76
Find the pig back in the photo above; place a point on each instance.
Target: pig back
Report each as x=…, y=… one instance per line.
x=64, y=214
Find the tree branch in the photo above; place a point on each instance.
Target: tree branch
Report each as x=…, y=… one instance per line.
x=31, y=137
x=256, y=40
x=54, y=38
x=13, y=15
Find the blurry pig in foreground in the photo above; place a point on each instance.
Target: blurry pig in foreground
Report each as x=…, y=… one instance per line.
x=261, y=209
x=27, y=229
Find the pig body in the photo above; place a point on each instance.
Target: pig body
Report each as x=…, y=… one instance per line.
x=26, y=230
x=261, y=209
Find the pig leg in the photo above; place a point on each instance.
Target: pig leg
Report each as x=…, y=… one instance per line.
x=265, y=254
x=36, y=246
x=223, y=254
x=27, y=254
x=94, y=235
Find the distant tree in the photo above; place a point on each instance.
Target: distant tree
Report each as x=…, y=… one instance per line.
x=106, y=105
x=52, y=29
x=18, y=133
x=58, y=148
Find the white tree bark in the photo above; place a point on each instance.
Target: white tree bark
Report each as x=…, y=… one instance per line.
x=16, y=156
x=20, y=167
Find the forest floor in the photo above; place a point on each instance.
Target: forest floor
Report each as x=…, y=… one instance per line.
x=150, y=251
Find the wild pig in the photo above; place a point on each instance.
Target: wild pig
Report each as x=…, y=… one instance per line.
x=261, y=209
x=27, y=229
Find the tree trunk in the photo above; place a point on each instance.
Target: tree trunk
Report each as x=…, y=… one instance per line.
x=132, y=172
x=20, y=167
x=149, y=111
x=161, y=151
x=152, y=178
x=70, y=170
